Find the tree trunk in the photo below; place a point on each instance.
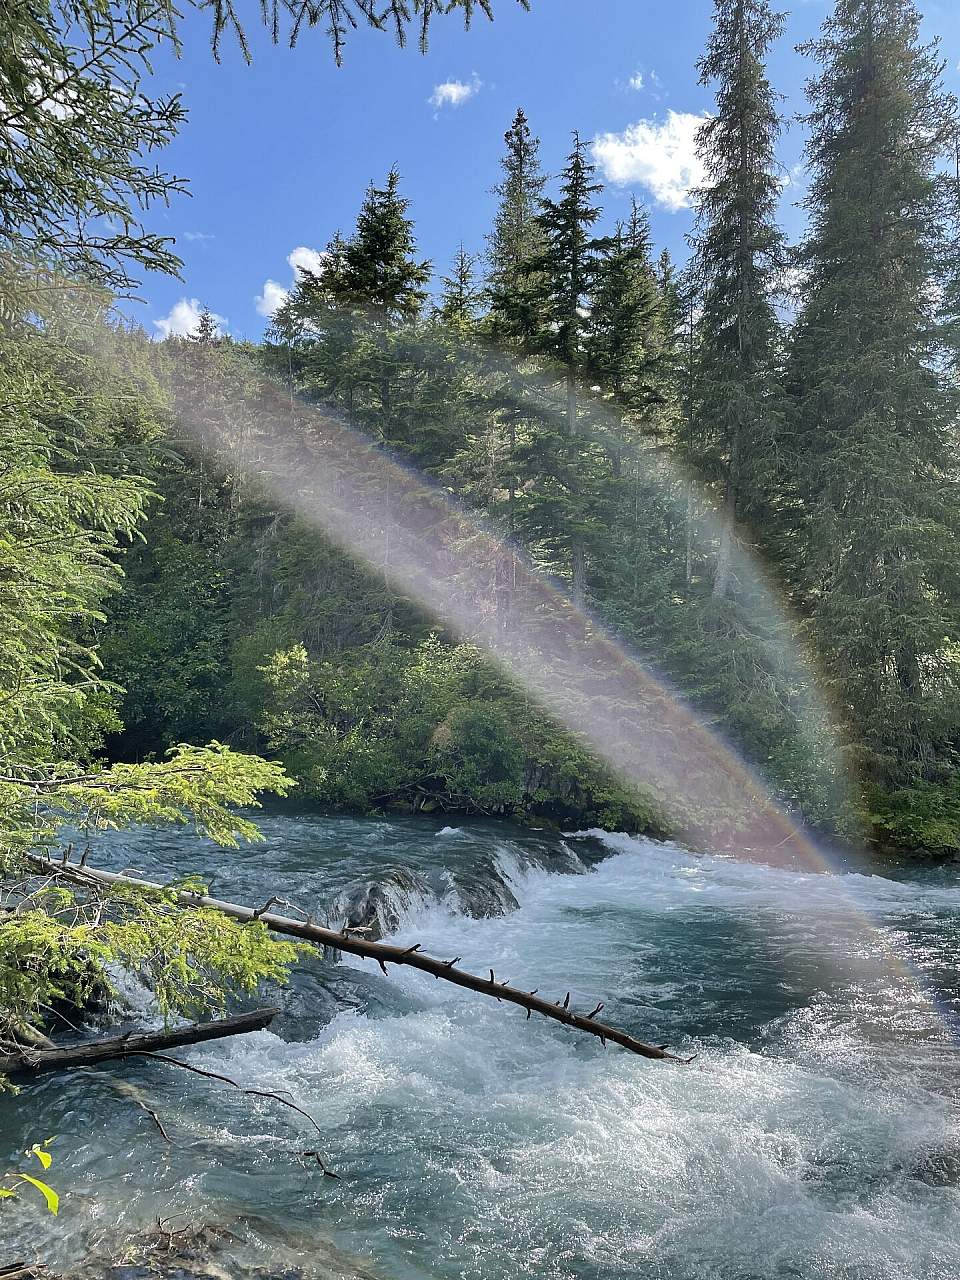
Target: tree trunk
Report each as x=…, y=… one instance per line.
x=384, y=953
x=721, y=581
x=94, y=1051
x=577, y=566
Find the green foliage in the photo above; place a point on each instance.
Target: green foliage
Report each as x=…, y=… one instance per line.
x=925, y=816
x=66, y=498
x=263, y=631
x=341, y=17
x=516, y=242
x=64, y=949
x=42, y=1155
x=428, y=727
x=236, y=621
x=478, y=756
x=736, y=411
x=83, y=415
x=627, y=339
x=75, y=130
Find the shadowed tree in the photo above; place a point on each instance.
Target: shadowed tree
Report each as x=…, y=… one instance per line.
x=738, y=261
x=873, y=414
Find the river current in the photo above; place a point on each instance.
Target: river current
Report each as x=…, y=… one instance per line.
x=815, y=1136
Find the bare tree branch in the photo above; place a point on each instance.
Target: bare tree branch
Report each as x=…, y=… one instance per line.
x=384, y=954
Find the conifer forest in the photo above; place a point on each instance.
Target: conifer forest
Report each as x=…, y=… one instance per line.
x=579, y=606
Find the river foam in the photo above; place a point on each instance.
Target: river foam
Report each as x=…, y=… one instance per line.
x=815, y=1136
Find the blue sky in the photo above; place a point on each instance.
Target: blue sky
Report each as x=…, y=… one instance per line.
x=278, y=154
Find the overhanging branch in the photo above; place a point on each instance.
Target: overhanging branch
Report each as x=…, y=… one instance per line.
x=384, y=953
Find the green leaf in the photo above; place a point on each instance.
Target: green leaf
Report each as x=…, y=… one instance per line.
x=45, y=1158
x=48, y=1193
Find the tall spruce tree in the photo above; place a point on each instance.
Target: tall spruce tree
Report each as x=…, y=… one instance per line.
x=513, y=317
x=738, y=256
x=566, y=271
x=343, y=317
x=343, y=328
x=517, y=237
x=874, y=406
x=380, y=271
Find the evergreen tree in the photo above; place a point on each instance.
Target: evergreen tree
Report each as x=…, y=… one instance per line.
x=206, y=333
x=566, y=272
x=567, y=268
x=343, y=329
x=738, y=257
x=76, y=124
x=874, y=412
x=379, y=271
x=513, y=318
x=625, y=340
x=517, y=239
x=461, y=296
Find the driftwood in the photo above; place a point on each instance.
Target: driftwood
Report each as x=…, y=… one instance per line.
x=384, y=953
x=147, y=1044
x=139, y=1043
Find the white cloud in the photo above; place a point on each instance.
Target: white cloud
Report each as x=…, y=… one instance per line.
x=454, y=93
x=661, y=156
x=304, y=259
x=198, y=235
x=273, y=294
x=636, y=81
x=183, y=318
x=271, y=299
x=797, y=177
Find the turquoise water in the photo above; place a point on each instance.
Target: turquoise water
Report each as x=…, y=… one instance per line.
x=816, y=1135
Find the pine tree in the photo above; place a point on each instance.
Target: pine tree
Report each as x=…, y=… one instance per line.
x=874, y=409
x=566, y=273
x=625, y=339
x=738, y=260
x=517, y=238
x=77, y=122
x=628, y=367
x=207, y=333
x=343, y=334
x=460, y=297
x=379, y=269
x=513, y=318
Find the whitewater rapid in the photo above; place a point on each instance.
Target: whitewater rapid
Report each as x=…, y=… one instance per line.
x=816, y=1134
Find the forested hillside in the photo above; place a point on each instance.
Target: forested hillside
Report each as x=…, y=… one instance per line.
x=643, y=431
x=743, y=465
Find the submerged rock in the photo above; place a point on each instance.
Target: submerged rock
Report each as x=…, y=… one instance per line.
x=482, y=891
x=377, y=906
x=246, y=1250
x=937, y=1166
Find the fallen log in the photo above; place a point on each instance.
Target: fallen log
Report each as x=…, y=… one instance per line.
x=384, y=953
x=90, y=1052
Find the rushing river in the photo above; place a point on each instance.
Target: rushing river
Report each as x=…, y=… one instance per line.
x=815, y=1136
